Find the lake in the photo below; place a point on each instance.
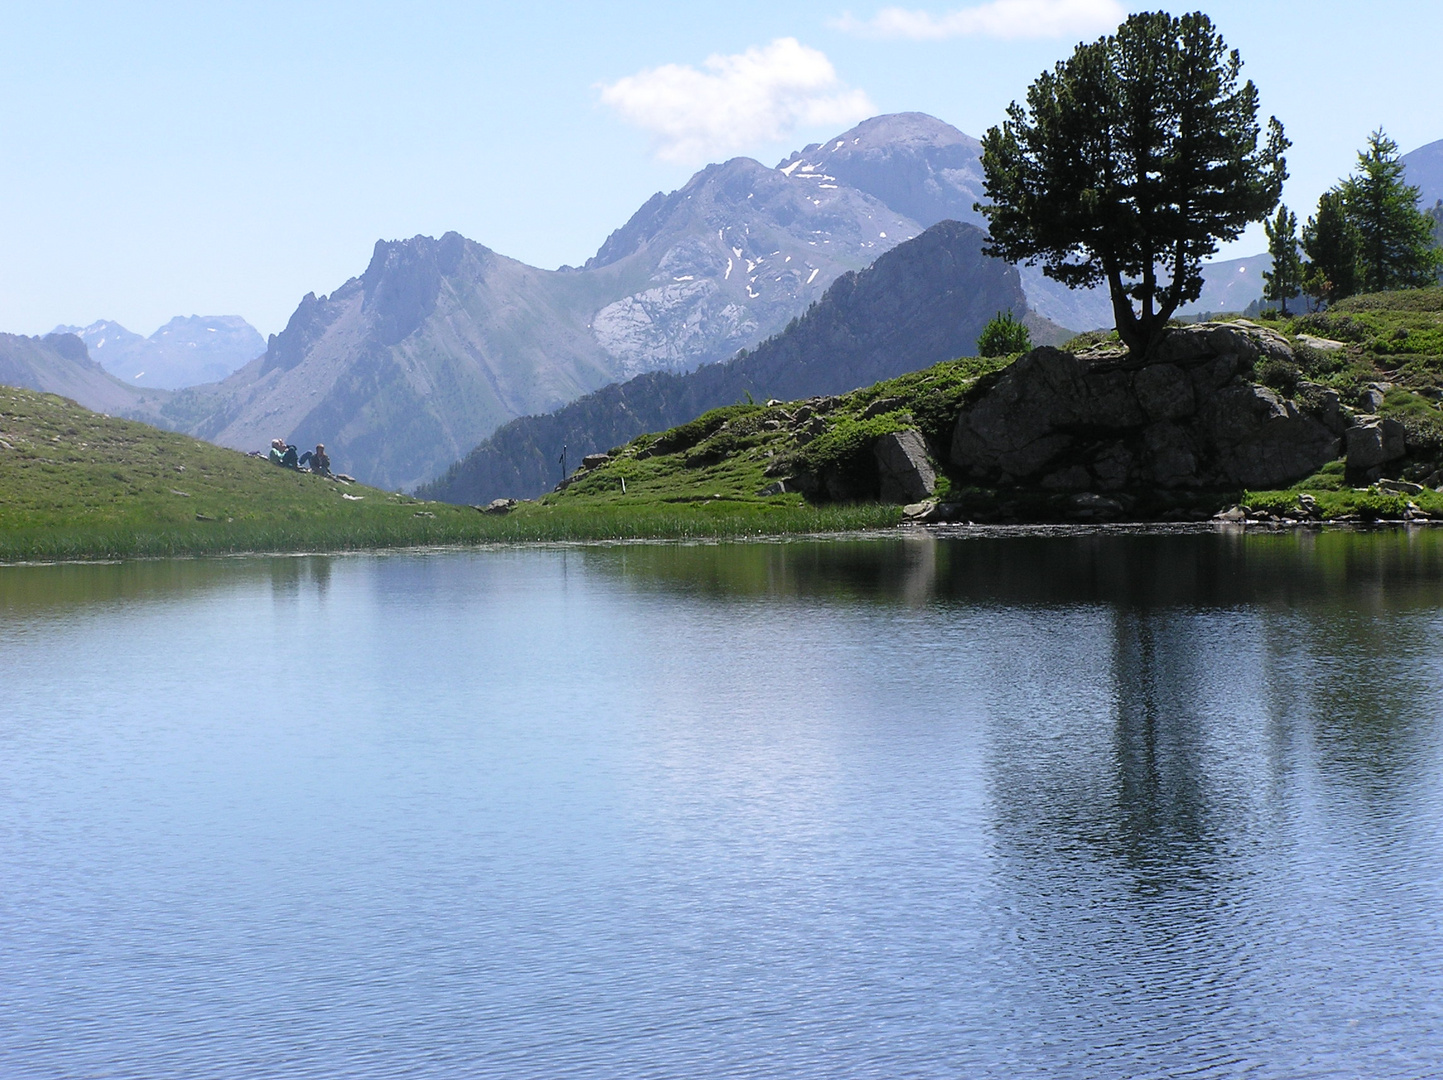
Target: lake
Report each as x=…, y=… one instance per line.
x=1038, y=805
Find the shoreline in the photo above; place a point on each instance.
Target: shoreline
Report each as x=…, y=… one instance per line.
x=901, y=531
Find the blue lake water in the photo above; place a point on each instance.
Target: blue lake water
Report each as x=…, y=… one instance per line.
x=1040, y=806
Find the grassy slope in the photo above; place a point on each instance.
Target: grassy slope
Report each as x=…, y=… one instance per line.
x=78, y=484
x=1393, y=339
x=729, y=455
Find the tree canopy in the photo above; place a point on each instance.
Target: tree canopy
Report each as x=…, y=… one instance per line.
x=1395, y=238
x=1285, y=280
x=1368, y=234
x=1330, y=240
x=1129, y=164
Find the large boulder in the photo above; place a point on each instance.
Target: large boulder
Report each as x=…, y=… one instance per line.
x=1374, y=441
x=905, y=474
x=1187, y=418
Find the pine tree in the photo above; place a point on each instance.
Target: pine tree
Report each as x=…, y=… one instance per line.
x=1395, y=239
x=1130, y=162
x=1330, y=241
x=1285, y=279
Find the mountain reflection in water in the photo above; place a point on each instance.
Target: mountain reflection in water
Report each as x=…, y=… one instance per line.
x=1056, y=805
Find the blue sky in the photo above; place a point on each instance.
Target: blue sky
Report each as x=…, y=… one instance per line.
x=226, y=158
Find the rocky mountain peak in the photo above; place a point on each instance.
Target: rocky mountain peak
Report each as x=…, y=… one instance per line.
x=401, y=284
x=913, y=163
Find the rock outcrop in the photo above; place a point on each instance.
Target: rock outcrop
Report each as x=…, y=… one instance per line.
x=1188, y=418
x=905, y=474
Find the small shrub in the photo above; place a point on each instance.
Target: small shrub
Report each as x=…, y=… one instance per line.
x=1280, y=375
x=685, y=436
x=1424, y=434
x=1314, y=362
x=1003, y=336
x=1373, y=504
x=1335, y=327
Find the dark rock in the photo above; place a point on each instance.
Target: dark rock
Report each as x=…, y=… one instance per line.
x=594, y=461
x=498, y=506
x=1325, y=404
x=1165, y=392
x=1187, y=418
x=776, y=487
x=905, y=473
x=1092, y=505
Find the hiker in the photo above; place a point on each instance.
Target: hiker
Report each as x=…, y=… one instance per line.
x=278, y=451
x=320, y=464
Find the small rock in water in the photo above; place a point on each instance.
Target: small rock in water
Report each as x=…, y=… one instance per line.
x=1233, y=513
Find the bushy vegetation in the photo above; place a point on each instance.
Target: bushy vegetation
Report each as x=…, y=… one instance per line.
x=1003, y=336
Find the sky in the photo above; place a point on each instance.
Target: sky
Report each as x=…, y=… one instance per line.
x=213, y=158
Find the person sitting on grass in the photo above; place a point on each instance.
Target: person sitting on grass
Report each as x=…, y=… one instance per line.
x=320, y=464
x=278, y=451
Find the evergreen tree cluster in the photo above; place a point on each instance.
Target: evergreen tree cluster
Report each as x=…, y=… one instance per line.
x=1367, y=235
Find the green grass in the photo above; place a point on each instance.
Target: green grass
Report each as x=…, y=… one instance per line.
x=79, y=485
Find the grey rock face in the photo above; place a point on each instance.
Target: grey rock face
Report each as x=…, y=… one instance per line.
x=902, y=466
x=1188, y=418
x=1374, y=441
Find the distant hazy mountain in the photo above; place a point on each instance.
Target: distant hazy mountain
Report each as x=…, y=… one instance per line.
x=1424, y=170
x=184, y=352
x=926, y=300
x=59, y=364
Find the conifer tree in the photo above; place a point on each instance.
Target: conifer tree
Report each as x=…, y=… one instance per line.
x=1395, y=239
x=1330, y=242
x=1132, y=160
x=1285, y=279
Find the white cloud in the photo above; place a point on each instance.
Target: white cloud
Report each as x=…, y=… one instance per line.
x=739, y=101
x=998, y=19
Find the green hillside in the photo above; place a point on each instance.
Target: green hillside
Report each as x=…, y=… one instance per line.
x=79, y=484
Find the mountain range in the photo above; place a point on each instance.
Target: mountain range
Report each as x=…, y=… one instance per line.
x=186, y=351
x=61, y=364
x=924, y=301
x=406, y=368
